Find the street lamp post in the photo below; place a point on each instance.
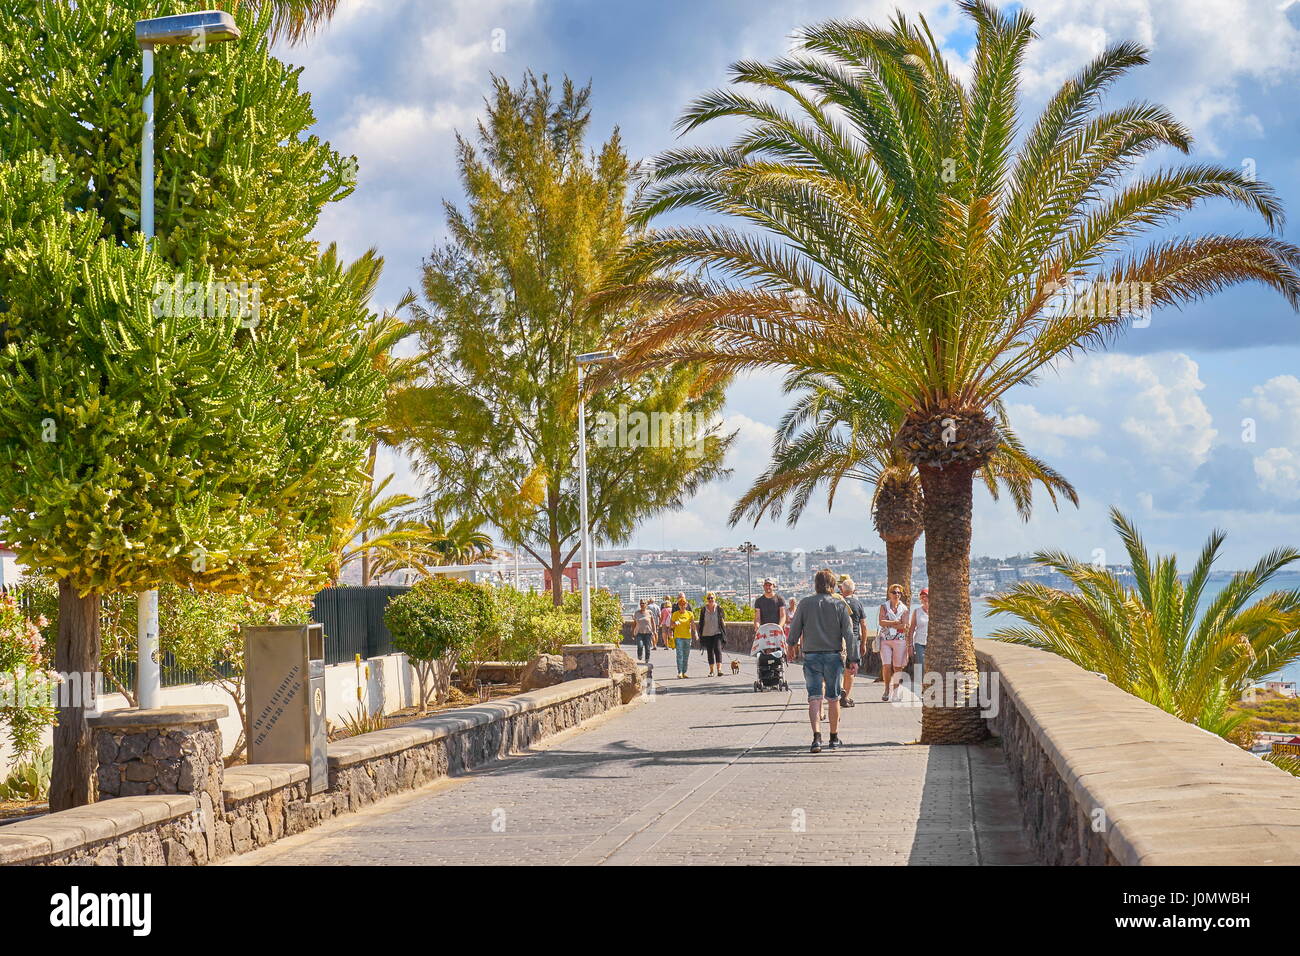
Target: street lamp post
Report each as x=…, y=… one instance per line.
x=583, y=360
x=747, y=549
x=704, y=561
x=195, y=30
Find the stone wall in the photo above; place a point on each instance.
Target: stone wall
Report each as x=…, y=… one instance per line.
x=369, y=768
x=261, y=803
x=1105, y=778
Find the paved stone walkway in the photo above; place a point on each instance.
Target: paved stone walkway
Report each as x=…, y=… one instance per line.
x=706, y=771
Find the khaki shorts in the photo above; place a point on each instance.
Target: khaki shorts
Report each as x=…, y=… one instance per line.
x=894, y=653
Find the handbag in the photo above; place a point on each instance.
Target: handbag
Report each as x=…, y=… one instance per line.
x=875, y=644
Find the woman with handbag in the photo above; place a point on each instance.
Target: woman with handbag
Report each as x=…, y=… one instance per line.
x=712, y=633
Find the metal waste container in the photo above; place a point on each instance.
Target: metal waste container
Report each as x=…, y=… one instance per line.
x=284, y=668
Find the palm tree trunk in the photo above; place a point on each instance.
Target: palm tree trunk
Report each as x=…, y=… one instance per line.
x=76, y=656
x=371, y=458
x=952, y=717
x=898, y=563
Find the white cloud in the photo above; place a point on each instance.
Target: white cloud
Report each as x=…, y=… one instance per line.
x=1048, y=433
x=1275, y=406
x=1201, y=52
x=1155, y=421
x=1278, y=470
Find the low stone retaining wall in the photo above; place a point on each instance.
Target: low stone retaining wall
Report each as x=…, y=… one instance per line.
x=1105, y=778
x=263, y=802
x=370, y=767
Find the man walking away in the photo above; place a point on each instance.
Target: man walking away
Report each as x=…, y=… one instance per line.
x=858, y=619
x=823, y=629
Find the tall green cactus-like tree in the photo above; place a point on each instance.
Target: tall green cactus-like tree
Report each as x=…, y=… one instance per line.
x=152, y=437
x=240, y=180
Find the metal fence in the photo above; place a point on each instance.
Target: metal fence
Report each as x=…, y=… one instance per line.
x=354, y=620
x=172, y=676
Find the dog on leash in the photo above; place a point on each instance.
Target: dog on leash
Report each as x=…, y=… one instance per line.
x=735, y=667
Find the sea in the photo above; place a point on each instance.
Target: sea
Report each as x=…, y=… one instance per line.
x=982, y=624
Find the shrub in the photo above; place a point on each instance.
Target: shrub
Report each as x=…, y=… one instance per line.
x=29, y=779
x=438, y=621
x=532, y=625
x=606, y=615
x=731, y=611
x=25, y=682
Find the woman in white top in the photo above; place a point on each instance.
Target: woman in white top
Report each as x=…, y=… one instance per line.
x=918, y=632
x=893, y=641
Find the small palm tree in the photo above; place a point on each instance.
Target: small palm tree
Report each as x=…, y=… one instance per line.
x=292, y=20
x=424, y=545
x=841, y=430
x=373, y=530
x=384, y=333
x=916, y=228
x=1153, y=639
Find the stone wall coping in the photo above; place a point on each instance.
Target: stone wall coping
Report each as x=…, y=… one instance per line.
x=587, y=648
x=381, y=743
x=253, y=780
x=1171, y=792
x=30, y=840
x=159, y=716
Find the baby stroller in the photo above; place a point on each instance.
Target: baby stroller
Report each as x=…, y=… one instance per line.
x=769, y=647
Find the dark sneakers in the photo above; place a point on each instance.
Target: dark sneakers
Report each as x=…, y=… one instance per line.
x=816, y=747
x=835, y=742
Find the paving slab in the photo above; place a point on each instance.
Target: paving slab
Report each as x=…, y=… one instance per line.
x=703, y=772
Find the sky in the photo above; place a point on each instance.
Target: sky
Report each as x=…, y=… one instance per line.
x=1189, y=424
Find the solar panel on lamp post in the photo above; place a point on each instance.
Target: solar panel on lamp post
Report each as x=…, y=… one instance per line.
x=195, y=30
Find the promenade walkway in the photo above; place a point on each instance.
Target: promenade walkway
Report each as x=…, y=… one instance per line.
x=705, y=772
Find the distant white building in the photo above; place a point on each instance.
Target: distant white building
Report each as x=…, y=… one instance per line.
x=1283, y=688
x=9, y=570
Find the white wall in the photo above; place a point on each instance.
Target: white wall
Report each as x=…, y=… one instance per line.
x=390, y=687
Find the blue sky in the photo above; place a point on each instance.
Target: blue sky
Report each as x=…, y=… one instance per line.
x=1153, y=426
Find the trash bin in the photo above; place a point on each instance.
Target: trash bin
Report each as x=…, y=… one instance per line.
x=284, y=668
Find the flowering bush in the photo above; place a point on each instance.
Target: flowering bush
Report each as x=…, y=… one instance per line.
x=26, y=683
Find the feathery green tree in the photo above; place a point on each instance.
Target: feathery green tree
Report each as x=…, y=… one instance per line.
x=495, y=423
x=159, y=427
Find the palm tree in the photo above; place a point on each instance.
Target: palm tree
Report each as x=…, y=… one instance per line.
x=401, y=373
x=911, y=235
x=374, y=530
x=428, y=544
x=292, y=20
x=1153, y=639
x=842, y=429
